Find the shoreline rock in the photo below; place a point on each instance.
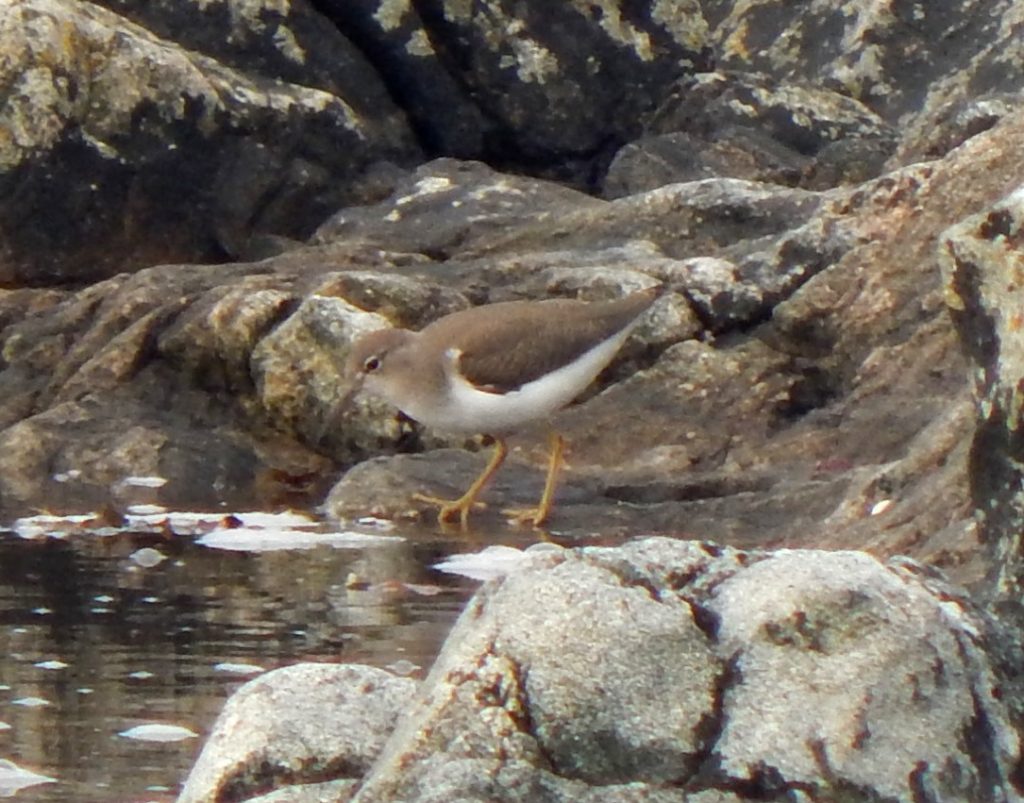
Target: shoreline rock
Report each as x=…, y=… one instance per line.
x=666, y=668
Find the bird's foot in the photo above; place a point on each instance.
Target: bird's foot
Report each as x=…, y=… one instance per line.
x=451, y=509
x=526, y=517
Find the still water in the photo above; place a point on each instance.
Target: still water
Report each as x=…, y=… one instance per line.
x=109, y=629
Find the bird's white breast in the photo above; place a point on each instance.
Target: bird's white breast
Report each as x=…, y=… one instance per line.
x=470, y=409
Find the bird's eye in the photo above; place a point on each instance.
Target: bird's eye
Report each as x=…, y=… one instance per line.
x=371, y=364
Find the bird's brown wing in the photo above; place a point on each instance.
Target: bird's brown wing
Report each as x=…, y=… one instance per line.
x=504, y=346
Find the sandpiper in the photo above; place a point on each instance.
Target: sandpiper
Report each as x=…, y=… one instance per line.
x=493, y=369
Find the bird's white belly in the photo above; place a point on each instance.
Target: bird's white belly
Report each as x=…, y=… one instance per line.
x=472, y=410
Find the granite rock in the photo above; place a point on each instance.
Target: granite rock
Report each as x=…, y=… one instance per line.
x=307, y=723
x=553, y=82
x=125, y=147
x=669, y=670
x=981, y=262
x=752, y=126
x=899, y=60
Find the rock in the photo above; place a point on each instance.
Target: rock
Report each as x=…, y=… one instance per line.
x=446, y=206
x=682, y=220
x=748, y=126
x=897, y=61
x=611, y=674
x=410, y=54
x=333, y=791
x=946, y=127
x=297, y=367
x=290, y=43
x=110, y=166
x=844, y=673
x=153, y=374
x=300, y=724
x=545, y=85
x=385, y=487
x=491, y=230
x=980, y=259
x=647, y=671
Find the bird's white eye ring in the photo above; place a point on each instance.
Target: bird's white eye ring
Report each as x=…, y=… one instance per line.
x=371, y=364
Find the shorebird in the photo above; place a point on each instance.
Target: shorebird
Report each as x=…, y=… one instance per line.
x=493, y=369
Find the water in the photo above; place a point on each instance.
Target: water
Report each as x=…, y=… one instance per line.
x=109, y=642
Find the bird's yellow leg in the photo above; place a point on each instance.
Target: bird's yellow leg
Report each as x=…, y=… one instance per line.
x=460, y=507
x=538, y=515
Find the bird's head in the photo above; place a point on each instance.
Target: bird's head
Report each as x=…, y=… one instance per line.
x=368, y=366
x=371, y=360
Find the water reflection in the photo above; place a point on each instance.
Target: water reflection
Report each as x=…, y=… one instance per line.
x=106, y=645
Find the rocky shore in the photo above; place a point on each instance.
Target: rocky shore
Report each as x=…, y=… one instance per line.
x=202, y=203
